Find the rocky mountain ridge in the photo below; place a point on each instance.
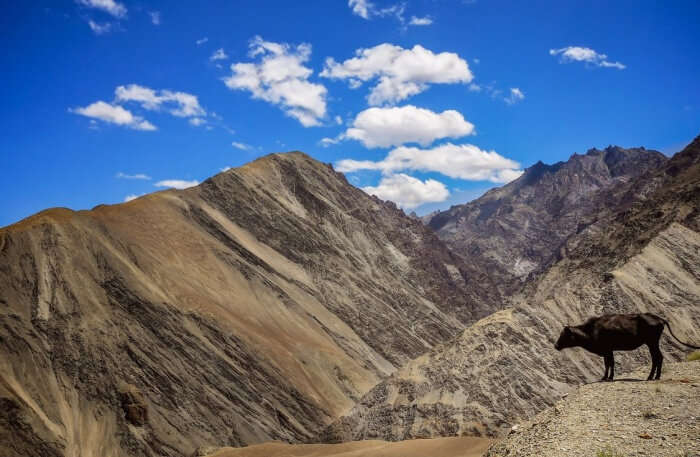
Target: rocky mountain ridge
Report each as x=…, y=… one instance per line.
x=516, y=230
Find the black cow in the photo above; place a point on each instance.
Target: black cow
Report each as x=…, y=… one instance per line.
x=619, y=332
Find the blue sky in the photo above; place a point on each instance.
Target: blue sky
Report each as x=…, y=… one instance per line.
x=105, y=99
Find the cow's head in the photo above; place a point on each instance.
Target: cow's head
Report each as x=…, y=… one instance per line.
x=567, y=339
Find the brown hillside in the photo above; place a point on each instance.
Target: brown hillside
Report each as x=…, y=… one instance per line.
x=257, y=306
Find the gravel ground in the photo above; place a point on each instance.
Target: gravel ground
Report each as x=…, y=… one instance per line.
x=626, y=418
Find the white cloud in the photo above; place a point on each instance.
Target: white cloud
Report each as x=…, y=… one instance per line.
x=197, y=121
x=188, y=104
x=99, y=29
x=393, y=10
x=113, y=114
x=281, y=79
x=408, y=192
x=515, y=96
x=617, y=65
x=587, y=55
x=512, y=96
x=384, y=127
x=176, y=183
x=182, y=104
x=219, y=54
x=505, y=176
x=121, y=175
x=201, y=41
x=179, y=104
x=368, y=10
x=464, y=161
x=116, y=9
x=361, y=8
x=325, y=142
x=155, y=17
x=401, y=73
x=420, y=20
x=144, y=95
x=130, y=197
x=241, y=146
x=225, y=169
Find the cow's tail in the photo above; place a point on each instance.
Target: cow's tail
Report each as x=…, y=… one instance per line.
x=675, y=337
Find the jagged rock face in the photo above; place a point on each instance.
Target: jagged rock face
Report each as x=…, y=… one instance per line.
x=641, y=255
x=134, y=405
x=257, y=306
x=515, y=230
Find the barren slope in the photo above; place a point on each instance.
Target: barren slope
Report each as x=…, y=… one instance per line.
x=257, y=306
x=643, y=254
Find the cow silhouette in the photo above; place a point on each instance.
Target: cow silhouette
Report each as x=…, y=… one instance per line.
x=619, y=332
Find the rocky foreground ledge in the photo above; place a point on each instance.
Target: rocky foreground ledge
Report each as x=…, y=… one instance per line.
x=625, y=418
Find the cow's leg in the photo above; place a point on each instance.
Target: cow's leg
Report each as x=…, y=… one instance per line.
x=655, y=352
x=611, y=363
x=608, y=367
x=657, y=360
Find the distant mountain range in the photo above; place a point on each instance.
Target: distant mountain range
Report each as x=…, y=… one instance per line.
x=276, y=301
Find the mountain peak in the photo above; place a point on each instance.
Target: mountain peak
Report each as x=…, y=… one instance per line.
x=593, y=152
x=277, y=156
x=534, y=173
x=298, y=158
x=522, y=223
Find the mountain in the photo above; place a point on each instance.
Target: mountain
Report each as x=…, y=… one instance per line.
x=621, y=418
x=517, y=229
x=259, y=305
x=640, y=254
